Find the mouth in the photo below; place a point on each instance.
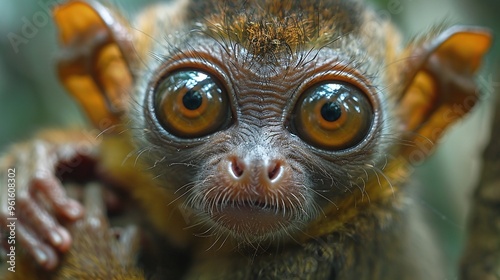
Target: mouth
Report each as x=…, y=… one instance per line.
x=250, y=218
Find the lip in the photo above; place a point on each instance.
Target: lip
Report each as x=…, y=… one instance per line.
x=250, y=217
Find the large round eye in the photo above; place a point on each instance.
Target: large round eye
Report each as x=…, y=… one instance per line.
x=333, y=116
x=190, y=103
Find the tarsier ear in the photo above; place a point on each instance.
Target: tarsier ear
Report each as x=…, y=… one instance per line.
x=95, y=60
x=440, y=83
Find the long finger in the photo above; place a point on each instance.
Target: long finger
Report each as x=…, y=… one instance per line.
x=45, y=225
x=44, y=255
x=95, y=207
x=42, y=167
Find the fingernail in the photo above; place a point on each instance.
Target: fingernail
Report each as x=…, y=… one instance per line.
x=56, y=238
x=65, y=244
x=40, y=256
x=74, y=210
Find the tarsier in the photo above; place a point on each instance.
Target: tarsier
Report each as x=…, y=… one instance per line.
x=259, y=139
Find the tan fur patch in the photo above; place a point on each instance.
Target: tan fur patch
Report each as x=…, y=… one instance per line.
x=285, y=27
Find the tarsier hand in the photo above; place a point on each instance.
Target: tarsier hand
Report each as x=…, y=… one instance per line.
x=41, y=202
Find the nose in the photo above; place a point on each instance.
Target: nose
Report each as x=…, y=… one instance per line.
x=268, y=172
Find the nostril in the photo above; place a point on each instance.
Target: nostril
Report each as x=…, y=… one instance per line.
x=274, y=171
x=237, y=167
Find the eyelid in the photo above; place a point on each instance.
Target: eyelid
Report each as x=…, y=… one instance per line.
x=193, y=60
x=336, y=70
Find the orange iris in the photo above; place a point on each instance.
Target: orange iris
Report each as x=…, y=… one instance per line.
x=191, y=103
x=333, y=116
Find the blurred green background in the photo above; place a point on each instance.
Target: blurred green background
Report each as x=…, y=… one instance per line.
x=32, y=99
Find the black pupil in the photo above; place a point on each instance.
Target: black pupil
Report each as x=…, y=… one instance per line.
x=192, y=100
x=331, y=111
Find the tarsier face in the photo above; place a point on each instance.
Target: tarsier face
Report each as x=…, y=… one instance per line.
x=266, y=117
x=259, y=135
